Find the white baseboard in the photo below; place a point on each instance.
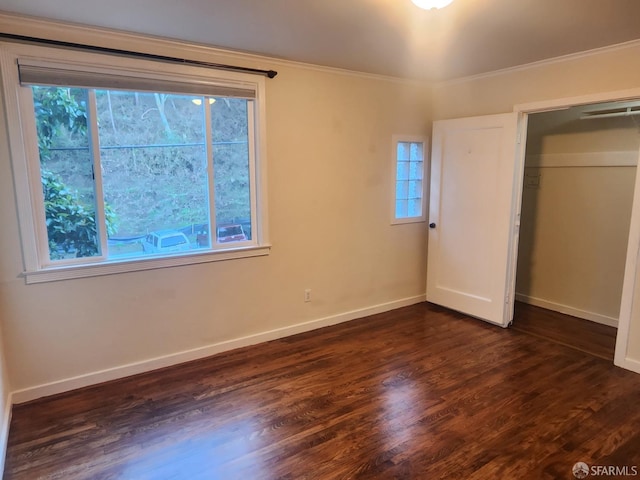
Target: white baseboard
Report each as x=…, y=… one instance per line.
x=4, y=431
x=574, y=312
x=32, y=393
x=629, y=364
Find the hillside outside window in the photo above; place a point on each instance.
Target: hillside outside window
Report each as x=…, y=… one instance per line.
x=126, y=166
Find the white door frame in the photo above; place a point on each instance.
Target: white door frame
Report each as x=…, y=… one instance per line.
x=632, y=267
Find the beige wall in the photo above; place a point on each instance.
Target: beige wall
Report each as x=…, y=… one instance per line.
x=606, y=71
x=573, y=240
x=329, y=146
x=562, y=131
x=610, y=70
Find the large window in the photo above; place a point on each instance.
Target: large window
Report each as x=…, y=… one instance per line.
x=409, y=179
x=134, y=168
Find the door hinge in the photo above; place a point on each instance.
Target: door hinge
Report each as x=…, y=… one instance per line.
x=506, y=300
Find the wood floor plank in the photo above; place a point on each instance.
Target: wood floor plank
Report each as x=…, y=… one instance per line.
x=420, y=392
x=584, y=335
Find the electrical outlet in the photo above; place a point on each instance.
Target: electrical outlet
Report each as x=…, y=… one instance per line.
x=307, y=295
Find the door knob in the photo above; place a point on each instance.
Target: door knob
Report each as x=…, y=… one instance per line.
x=432, y=225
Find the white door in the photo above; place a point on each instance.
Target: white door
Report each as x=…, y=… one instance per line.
x=473, y=216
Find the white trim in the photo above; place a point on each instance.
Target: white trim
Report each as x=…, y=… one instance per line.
x=630, y=364
x=15, y=136
x=211, y=184
x=586, y=159
x=98, y=193
x=516, y=209
x=4, y=430
x=32, y=393
x=568, y=102
x=108, y=268
x=424, y=140
x=261, y=235
x=541, y=63
x=628, y=308
x=252, y=165
x=118, y=39
x=568, y=310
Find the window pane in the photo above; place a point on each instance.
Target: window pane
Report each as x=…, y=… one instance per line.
x=401, y=208
x=415, y=171
x=125, y=161
x=229, y=123
x=403, y=151
x=415, y=189
x=416, y=151
x=154, y=172
x=402, y=171
x=415, y=207
x=66, y=169
x=402, y=190
x=172, y=241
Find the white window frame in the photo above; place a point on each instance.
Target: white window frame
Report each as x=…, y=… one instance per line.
x=26, y=162
x=399, y=138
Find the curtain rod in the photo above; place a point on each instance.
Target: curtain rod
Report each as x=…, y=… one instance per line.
x=146, y=56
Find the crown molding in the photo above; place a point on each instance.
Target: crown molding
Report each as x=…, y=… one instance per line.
x=540, y=63
x=103, y=37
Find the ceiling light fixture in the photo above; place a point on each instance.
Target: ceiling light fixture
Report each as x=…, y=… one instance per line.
x=431, y=4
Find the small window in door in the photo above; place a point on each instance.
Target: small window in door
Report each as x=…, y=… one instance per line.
x=409, y=179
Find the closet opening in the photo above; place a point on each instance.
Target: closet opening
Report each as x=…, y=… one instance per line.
x=578, y=189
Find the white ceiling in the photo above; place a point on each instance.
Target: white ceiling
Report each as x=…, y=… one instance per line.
x=391, y=37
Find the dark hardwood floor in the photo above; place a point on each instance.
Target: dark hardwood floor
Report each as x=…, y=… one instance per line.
x=583, y=335
x=417, y=393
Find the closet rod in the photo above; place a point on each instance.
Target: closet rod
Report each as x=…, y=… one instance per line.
x=627, y=113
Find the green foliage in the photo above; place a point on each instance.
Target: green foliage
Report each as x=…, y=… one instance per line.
x=71, y=223
x=56, y=108
x=70, y=226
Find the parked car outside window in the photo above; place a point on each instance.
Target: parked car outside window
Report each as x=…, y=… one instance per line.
x=166, y=241
x=231, y=233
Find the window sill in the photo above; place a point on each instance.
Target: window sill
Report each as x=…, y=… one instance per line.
x=405, y=220
x=67, y=272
